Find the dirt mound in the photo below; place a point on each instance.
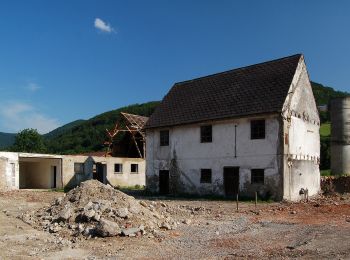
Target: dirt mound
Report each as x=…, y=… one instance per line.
x=95, y=209
x=332, y=184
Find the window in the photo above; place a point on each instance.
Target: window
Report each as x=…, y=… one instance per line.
x=118, y=168
x=164, y=137
x=79, y=168
x=206, y=134
x=205, y=175
x=257, y=176
x=257, y=129
x=134, y=168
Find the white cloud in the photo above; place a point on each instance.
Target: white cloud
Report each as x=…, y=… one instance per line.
x=16, y=116
x=33, y=87
x=102, y=26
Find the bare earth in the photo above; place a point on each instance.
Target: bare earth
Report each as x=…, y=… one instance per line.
x=207, y=229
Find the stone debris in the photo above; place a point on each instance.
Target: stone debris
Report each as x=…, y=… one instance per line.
x=106, y=228
x=97, y=210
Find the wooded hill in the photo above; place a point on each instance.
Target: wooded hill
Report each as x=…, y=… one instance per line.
x=89, y=135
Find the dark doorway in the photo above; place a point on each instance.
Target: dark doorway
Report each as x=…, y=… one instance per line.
x=231, y=181
x=100, y=173
x=54, y=176
x=163, y=182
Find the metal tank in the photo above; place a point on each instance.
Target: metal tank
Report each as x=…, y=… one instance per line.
x=340, y=135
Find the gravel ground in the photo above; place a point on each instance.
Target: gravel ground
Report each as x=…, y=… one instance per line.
x=207, y=229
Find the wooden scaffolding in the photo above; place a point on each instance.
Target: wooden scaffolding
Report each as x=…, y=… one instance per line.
x=133, y=124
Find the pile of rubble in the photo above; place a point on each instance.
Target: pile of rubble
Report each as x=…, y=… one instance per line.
x=331, y=184
x=94, y=209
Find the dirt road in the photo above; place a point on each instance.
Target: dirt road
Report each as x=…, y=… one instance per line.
x=206, y=229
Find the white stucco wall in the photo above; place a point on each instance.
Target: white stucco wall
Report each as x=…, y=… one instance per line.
x=126, y=178
x=290, y=154
x=302, y=138
x=192, y=155
x=9, y=163
x=36, y=170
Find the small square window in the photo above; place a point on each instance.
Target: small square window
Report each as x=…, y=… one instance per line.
x=205, y=175
x=118, y=168
x=257, y=176
x=206, y=134
x=257, y=129
x=164, y=137
x=79, y=168
x=134, y=168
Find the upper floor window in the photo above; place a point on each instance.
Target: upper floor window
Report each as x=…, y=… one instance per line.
x=164, y=137
x=206, y=134
x=257, y=176
x=257, y=129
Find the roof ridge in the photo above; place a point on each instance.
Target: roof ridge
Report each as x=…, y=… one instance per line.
x=239, y=68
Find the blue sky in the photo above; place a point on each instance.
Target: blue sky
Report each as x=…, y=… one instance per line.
x=66, y=60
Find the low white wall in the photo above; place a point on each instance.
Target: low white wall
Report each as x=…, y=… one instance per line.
x=126, y=178
x=10, y=167
x=36, y=171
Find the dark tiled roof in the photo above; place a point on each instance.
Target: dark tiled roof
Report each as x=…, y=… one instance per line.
x=255, y=89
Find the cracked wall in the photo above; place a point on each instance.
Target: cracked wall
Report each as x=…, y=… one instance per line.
x=186, y=156
x=302, y=139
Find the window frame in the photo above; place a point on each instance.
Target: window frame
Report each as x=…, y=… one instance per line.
x=203, y=178
x=257, y=129
x=205, y=135
x=137, y=168
x=121, y=168
x=82, y=168
x=164, y=137
x=255, y=178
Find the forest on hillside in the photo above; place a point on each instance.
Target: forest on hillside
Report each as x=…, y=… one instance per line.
x=82, y=136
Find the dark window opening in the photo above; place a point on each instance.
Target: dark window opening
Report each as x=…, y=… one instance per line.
x=118, y=168
x=79, y=168
x=164, y=137
x=206, y=134
x=257, y=129
x=134, y=168
x=257, y=176
x=205, y=175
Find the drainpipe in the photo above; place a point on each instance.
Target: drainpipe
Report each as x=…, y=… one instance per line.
x=235, y=141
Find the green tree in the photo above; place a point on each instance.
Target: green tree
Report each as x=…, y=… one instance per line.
x=29, y=141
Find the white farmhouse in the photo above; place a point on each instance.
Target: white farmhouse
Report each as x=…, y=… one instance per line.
x=247, y=130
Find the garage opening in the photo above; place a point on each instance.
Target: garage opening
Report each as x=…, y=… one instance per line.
x=39, y=173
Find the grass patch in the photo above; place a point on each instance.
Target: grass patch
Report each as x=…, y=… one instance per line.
x=57, y=190
x=208, y=197
x=131, y=188
x=325, y=129
x=326, y=172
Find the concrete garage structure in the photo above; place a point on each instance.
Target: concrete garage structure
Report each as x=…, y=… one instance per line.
x=43, y=171
x=29, y=171
x=247, y=130
x=39, y=172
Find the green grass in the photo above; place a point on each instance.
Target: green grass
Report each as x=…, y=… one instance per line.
x=130, y=188
x=57, y=190
x=326, y=172
x=325, y=129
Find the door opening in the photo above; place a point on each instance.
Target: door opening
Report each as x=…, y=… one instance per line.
x=53, y=176
x=231, y=181
x=100, y=173
x=163, y=182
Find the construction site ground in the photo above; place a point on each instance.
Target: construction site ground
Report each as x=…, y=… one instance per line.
x=207, y=229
